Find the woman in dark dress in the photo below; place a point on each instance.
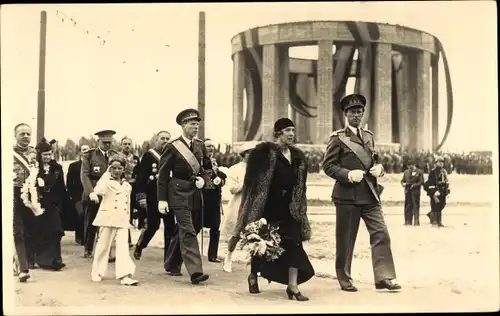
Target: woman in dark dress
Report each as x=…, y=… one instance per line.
x=275, y=189
x=48, y=228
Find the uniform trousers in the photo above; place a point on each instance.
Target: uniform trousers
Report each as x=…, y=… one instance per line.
x=347, y=224
x=412, y=207
x=90, y=232
x=80, y=226
x=20, y=213
x=184, y=244
x=437, y=209
x=124, y=265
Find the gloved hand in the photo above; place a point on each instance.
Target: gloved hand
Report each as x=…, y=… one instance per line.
x=163, y=207
x=199, y=182
x=377, y=170
x=355, y=175
x=217, y=180
x=93, y=197
x=142, y=203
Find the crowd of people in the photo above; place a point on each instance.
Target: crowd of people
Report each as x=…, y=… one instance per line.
x=179, y=181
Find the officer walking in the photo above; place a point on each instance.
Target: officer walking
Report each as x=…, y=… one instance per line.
x=94, y=164
x=179, y=184
x=349, y=159
x=438, y=188
x=146, y=187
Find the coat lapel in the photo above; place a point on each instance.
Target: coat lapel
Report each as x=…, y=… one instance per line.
x=354, y=138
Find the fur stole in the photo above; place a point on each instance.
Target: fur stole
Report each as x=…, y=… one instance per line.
x=258, y=176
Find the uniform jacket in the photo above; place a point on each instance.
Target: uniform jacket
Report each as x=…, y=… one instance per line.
x=438, y=181
x=258, y=177
x=416, y=178
x=340, y=159
x=131, y=168
x=94, y=165
x=176, y=180
x=74, y=182
x=20, y=172
x=147, y=176
x=114, y=210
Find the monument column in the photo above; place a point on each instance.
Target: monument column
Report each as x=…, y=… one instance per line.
x=271, y=90
x=238, y=90
x=324, y=100
x=435, y=102
x=284, y=73
x=423, y=106
x=311, y=97
x=382, y=99
x=403, y=97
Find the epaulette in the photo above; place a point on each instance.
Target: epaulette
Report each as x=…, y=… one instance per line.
x=368, y=131
x=195, y=138
x=336, y=133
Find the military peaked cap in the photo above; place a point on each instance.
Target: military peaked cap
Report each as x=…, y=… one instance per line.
x=187, y=115
x=351, y=101
x=105, y=135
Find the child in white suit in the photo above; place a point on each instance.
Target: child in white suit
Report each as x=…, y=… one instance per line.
x=113, y=222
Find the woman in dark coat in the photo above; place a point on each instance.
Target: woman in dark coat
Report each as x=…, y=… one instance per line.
x=275, y=189
x=48, y=226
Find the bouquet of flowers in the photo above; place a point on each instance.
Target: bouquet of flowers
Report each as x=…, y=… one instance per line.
x=260, y=239
x=29, y=192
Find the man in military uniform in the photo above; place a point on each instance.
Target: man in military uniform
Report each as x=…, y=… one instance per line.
x=438, y=189
x=23, y=161
x=130, y=175
x=147, y=197
x=412, y=181
x=179, y=184
x=350, y=160
x=94, y=164
x=212, y=199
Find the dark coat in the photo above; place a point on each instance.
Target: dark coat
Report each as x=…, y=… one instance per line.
x=146, y=178
x=212, y=197
x=260, y=171
x=73, y=181
x=416, y=180
x=176, y=179
x=340, y=159
x=94, y=165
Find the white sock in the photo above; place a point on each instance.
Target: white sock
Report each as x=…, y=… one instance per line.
x=229, y=255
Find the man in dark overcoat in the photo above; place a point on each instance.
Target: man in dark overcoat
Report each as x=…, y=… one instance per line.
x=350, y=160
x=412, y=181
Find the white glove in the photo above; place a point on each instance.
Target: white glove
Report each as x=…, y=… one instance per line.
x=142, y=203
x=199, y=182
x=163, y=207
x=355, y=175
x=93, y=197
x=377, y=170
x=437, y=193
x=217, y=180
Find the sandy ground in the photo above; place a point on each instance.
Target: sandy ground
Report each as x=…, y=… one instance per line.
x=448, y=269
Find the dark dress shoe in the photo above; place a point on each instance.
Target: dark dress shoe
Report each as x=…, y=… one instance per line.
x=216, y=260
x=387, y=285
x=174, y=273
x=137, y=253
x=349, y=288
x=87, y=255
x=198, y=277
x=112, y=259
x=253, y=284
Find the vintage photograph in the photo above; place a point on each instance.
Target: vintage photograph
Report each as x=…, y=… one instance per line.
x=208, y=158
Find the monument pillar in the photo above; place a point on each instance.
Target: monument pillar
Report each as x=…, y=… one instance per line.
x=382, y=98
x=324, y=98
x=311, y=98
x=271, y=90
x=284, y=74
x=403, y=95
x=238, y=90
x=423, y=106
x=435, y=102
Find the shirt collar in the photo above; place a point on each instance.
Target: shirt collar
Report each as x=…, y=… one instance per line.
x=103, y=152
x=353, y=129
x=188, y=141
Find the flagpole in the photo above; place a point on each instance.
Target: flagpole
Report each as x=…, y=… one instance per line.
x=41, y=77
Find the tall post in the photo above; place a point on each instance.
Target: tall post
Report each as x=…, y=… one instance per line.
x=40, y=123
x=201, y=73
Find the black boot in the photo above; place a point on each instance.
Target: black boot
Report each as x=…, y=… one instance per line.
x=253, y=284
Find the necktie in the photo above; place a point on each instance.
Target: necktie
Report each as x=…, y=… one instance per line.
x=191, y=146
x=359, y=134
x=106, y=156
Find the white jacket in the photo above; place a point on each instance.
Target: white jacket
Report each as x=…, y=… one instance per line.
x=114, y=210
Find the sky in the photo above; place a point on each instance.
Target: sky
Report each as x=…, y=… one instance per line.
x=90, y=86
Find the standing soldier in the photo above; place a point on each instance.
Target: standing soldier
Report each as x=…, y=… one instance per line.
x=350, y=160
x=147, y=197
x=212, y=199
x=75, y=191
x=94, y=164
x=438, y=189
x=179, y=185
x=412, y=181
x=23, y=162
